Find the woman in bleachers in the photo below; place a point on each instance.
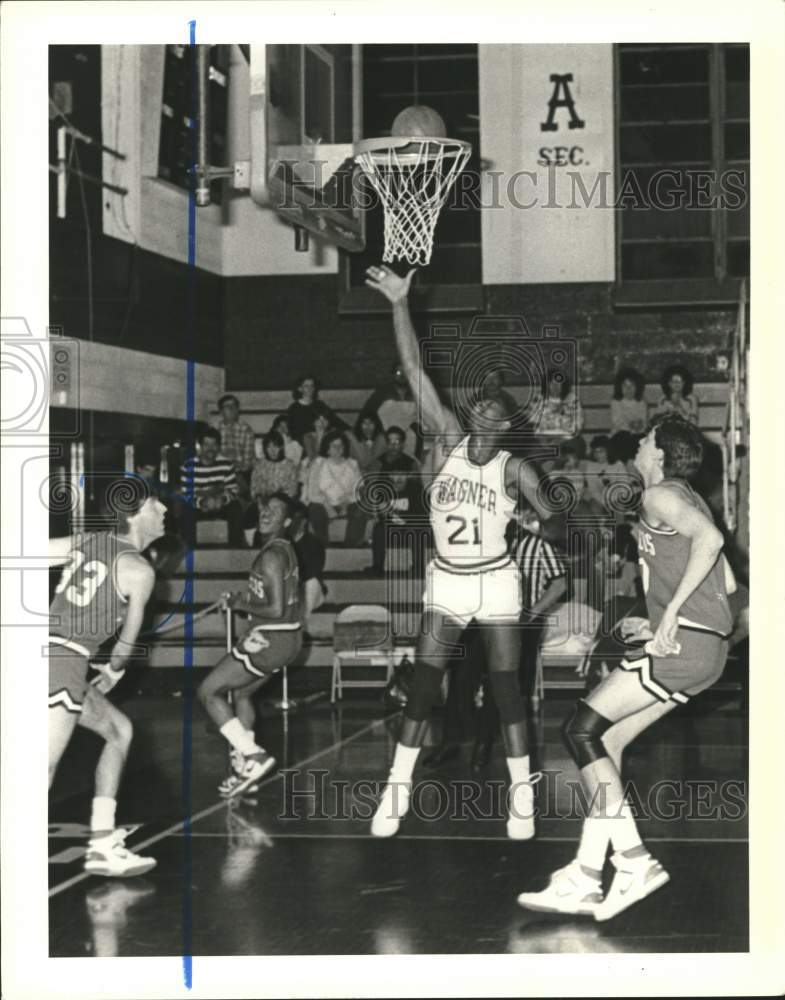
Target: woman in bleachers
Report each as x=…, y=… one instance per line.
x=306, y=407
x=602, y=470
x=623, y=446
x=333, y=481
x=559, y=413
x=677, y=394
x=367, y=441
x=273, y=472
x=629, y=411
x=312, y=441
x=292, y=449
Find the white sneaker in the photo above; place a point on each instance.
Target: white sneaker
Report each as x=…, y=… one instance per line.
x=393, y=806
x=108, y=855
x=520, y=825
x=253, y=770
x=570, y=890
x=237, y=763
x=635, y=879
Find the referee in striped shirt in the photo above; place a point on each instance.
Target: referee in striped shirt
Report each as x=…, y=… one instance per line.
x=544, y=582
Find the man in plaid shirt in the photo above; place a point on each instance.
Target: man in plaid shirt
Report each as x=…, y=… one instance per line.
x=237, y=439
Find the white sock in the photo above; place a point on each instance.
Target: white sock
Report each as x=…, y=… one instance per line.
x=595, y=835
x=102, y=815
x=519, y=769
x=239, y=737
x=403, y=762
x=621, y=824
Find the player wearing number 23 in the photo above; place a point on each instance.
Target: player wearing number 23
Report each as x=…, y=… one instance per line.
x=103, y=590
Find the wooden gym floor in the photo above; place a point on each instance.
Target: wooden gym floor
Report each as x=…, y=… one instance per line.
x=292, y=869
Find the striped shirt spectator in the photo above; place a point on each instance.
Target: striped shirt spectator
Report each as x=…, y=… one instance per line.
x=210, y=489
x=214, y=478
x=237, y=437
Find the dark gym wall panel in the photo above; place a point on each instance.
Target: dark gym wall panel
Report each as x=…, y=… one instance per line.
x=278, y=327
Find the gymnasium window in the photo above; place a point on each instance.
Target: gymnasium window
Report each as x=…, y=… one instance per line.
x=176, y=150
x=444, y=77
x=683, y=108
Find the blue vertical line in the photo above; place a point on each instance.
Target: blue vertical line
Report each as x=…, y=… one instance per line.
x=188, y=648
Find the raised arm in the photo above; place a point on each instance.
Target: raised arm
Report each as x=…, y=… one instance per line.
x=434, y=415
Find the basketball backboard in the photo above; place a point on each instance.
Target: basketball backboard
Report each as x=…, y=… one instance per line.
x=305, y=104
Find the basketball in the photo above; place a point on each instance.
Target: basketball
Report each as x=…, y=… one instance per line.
x=419, y=119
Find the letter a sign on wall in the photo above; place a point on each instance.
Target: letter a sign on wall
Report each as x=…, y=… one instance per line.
x=546, y=132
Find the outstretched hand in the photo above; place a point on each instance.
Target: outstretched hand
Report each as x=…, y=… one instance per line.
x=383, y=280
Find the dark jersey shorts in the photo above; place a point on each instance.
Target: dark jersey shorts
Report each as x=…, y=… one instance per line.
x=67, y=677
x=674, y=678
x=264, y=650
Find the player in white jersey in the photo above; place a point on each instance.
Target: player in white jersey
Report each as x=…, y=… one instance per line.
x=473, y=494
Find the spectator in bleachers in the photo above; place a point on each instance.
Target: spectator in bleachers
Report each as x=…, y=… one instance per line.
x=292, y=449
x=629, y=411
x=559, y=413
x=212, y=479
x=569, y=468
x=273, y=472
x=333, y=480
x=677, y=394
x=312, y=441
x=237, y=439
x=307, y=406
x=394, y=404
x=405, y=508
x=367, y=441
x=601, y=471
x=623, y=447
x=394, y=457
x=311, y=556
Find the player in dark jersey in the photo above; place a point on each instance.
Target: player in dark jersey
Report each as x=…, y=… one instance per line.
x=273, y=640
x=105, y=585
x=686, y=579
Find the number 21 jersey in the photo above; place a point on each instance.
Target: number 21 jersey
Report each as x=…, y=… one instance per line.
x=470, y=509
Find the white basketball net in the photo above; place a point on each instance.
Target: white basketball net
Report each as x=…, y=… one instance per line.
x=413, y=186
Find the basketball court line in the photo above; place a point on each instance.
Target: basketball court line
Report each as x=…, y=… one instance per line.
x=221, y=804
x=220, y=835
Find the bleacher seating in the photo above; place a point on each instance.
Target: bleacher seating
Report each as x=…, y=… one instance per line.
x=219, y=569
x=259, y=409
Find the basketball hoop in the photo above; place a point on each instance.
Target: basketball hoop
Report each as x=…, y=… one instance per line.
x=412, y=176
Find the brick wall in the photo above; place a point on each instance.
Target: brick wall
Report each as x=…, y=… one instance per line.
x=278, y=327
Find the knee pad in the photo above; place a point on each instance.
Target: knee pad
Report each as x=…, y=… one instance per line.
x=426, y=685
x=507, y=694
x=582, y=734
